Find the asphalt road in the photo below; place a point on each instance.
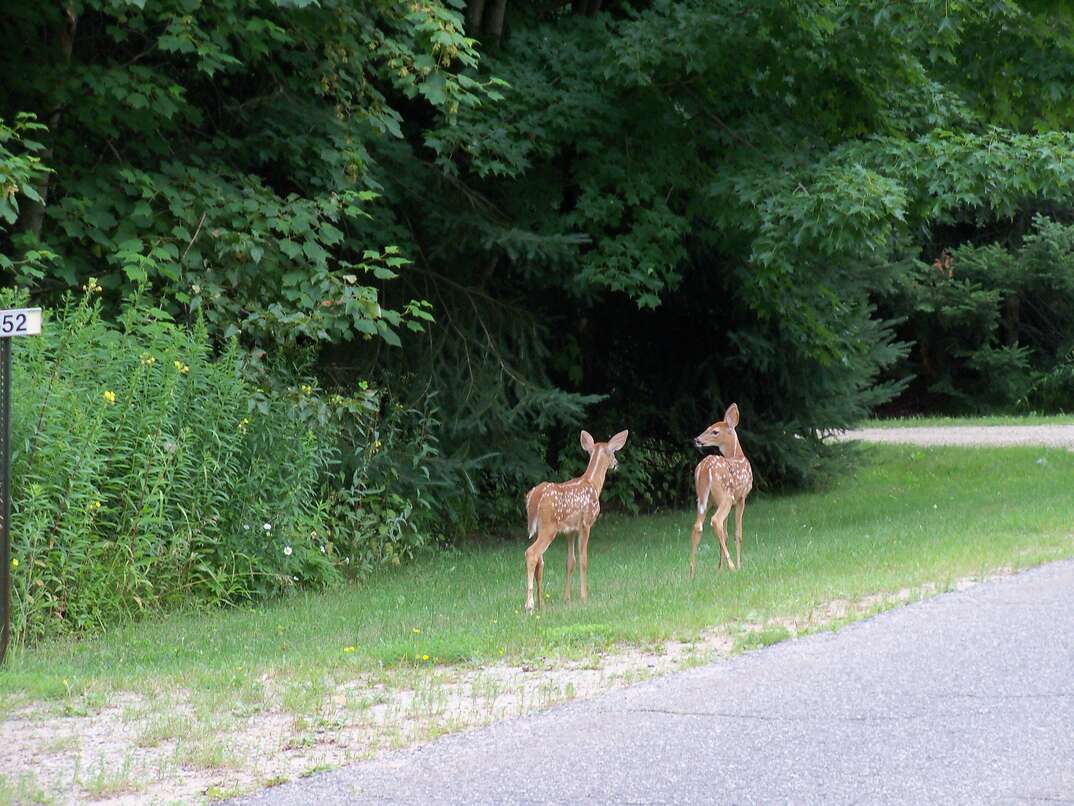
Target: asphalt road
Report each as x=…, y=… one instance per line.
x=965, y=698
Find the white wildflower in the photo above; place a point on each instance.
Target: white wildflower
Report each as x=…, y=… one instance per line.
x=287, y=550
x=267, y=527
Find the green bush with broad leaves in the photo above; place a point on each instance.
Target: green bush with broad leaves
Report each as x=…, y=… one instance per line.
x=21, y=169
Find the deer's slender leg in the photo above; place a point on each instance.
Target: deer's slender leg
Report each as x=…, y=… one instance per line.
x=540, y=582
x=695, y=535
x=719, y=525
x=534, y=556
x=703, y=487
x=583, y=561
x=740, y=507
x=570, y=566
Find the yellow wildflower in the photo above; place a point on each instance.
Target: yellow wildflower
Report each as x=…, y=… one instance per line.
x=110, y=396
x=425, y=657
x=148, y=360
x=183, y=368
x=417, y=631
x=243, y=423
x=348, y=649
x=307, y=389
x=14, y=562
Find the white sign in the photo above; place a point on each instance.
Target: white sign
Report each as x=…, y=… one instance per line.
x=20, y=322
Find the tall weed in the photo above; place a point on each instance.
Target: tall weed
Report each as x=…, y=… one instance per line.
x=150, y=474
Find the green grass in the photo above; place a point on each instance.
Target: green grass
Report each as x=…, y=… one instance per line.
x=109, y=780
x=755, y=639
x=907, y=517
x=24, y=791
x=993, y=419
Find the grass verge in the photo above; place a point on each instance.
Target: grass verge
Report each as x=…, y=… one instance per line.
x=392, y=652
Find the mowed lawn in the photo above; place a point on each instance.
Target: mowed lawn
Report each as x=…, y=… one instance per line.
x=905, y=517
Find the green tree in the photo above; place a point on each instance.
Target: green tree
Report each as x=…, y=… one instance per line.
x=217, y=154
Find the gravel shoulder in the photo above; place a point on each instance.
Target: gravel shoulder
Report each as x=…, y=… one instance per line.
x=1049, y=436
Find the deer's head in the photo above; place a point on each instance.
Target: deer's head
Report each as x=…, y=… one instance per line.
x=721, y=434
x=604, y=450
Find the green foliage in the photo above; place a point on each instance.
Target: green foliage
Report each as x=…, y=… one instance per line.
x=239, y=174
x=217, y=154
x=768, y=226
x=150, y=475
x=993, y=325
x=21, y=169
x=768, y=174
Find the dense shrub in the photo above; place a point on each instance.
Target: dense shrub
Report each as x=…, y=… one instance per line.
x=149, y=474
x=993, y=324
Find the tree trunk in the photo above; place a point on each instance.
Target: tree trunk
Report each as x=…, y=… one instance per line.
x=475, y=10
x=1012, y=318
x=34, y=212
x=494, y=24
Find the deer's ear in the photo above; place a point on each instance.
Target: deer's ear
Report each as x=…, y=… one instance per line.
x=731, y=415
x=618, y=441
x=587, y=442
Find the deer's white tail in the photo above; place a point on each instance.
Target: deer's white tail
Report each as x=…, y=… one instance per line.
x=702, y=497
x=533, y=498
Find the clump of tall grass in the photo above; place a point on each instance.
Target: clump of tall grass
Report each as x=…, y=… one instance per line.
x=149, y=473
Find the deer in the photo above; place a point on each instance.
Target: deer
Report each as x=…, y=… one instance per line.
x=724, y=480
x=570, y=506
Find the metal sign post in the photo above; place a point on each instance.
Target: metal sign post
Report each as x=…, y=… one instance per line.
x=15, y=322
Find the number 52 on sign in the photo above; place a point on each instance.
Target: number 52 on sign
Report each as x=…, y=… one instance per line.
x=20, y=322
